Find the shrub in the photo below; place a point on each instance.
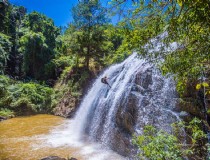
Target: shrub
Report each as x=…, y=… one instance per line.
x=31, y=95
x=6, y=113
x=24, y=97
x=158, y=145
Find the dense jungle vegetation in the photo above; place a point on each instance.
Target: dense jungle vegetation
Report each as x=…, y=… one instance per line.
x=35, y=55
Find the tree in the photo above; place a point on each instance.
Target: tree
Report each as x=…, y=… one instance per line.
x=89, y=20
x=5, y=48
x=38, y=46
x=10, y=22
x=35, y=54
x=37, y=22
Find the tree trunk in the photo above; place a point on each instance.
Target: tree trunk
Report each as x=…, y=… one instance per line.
x=87, y=58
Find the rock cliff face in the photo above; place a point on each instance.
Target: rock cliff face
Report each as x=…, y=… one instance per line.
x=149, y=102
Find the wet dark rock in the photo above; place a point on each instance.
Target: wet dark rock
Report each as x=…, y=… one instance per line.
x=126, y=116
x=144, y=80
x=2, y=118
x=72, y=158
x=138, y=110
x=53, y=158
x=187, y=117
x=122, y=143
x=192, y=108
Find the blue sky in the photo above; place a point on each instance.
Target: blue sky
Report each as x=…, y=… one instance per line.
x=58, y=10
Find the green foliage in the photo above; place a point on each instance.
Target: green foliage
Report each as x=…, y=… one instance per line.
x=116, y=53
x=37, y=22
x=75, y=79
x=186, y=22
x=5, y=48
x=197, y=133
x=203, y=84
x=23, y=97
x=10, y=23
x=4, y=94
x=64, y=61
x=158, y=144
x=39, y=46
x=33, y=47
x=4, y=112
x=32, y=95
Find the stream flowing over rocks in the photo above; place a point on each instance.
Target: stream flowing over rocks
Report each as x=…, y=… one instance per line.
x=139, y=96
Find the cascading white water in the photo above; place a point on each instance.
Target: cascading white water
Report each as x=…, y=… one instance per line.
x=102, y=110
x=92, y=106
x=139, y=95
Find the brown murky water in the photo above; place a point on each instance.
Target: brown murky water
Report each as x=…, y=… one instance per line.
x=24, y=138
x=18, y=136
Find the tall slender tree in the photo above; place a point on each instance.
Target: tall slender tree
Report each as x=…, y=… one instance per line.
x=89, y=19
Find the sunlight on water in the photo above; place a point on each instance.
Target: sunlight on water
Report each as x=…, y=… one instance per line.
x=35, y=137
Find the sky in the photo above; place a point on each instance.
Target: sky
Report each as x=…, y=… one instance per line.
x=58, y=10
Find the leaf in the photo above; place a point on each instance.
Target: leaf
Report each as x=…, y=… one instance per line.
x=179, y=3
x=204, y=84
x=198, y=86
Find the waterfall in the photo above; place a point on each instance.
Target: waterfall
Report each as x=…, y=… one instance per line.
x=100, y=98
x=139, y=95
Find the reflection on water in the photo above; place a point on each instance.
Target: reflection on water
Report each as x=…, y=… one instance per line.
x=35, y=137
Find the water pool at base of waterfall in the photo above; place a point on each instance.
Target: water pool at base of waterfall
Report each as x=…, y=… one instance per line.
x=36, y=137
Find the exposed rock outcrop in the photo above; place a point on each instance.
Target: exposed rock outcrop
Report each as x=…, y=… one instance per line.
x=67, y=106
